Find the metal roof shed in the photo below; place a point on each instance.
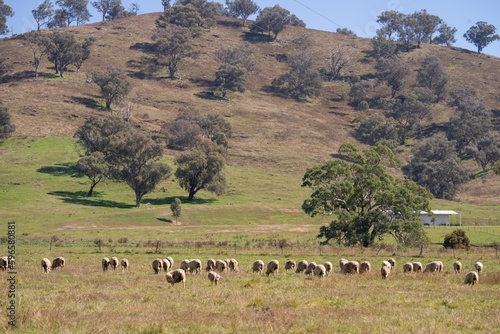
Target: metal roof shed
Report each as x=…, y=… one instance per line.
x=438, y=217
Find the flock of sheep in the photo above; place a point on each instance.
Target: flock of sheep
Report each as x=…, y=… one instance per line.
x=214, y=267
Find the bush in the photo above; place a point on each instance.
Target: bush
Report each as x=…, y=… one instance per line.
x=362, y=106
x=457, y=239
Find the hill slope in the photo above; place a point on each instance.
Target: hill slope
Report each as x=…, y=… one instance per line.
x=270, y=132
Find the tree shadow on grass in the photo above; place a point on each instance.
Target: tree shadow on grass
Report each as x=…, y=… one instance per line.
x=87, y=102
x=209, y=96
x=169, y=200
x=66, y=169
x=80, y=197
x=165, y=220
x=26, y=75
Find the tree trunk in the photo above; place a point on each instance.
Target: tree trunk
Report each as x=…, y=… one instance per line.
x=191, y=194
x=91, y=190
x=108, y=105
x=138, y=198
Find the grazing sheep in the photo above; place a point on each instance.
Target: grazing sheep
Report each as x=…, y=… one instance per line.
x=479, y=267
x=290, y=265
x=210, y=265
x=171, y=261
x=457, y=266
x=58, y=263
x=213, y=277
x=319, y=271
x=157, y=265
x=329, y=267
x=166, y=264
x=310, y=268
x=105, y=263
x=220, y=266
x=113, y=262
x=46, y=265
x=365, y=267
x=393, y=263
x=4, y=263
x=258, y=266
x=233, y=265
x=273, y=267
x=471, y=278
x=385, y=271
x=176, y=276
x=417, y=267
x=341, y=264
x=184, y=265
x=408, y=267
x=194, y=266
x=227, y=263
x=351, y=267
x=432, y=267
x=440, y=266
x=124, y=263
x=301, y=266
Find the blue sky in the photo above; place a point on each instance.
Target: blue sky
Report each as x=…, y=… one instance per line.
x=358, y=15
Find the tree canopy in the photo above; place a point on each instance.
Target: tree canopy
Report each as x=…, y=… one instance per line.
x=6, y=125
x=5, y=11
x=43, y=14
x=113, y=84
x=366, y=201
x=273, y=20
x=481, y=35
x=242, y=8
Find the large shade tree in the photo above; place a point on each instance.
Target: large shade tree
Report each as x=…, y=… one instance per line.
x=5, y=11
x=481, y=35
x=113, y=84
x=366, y=201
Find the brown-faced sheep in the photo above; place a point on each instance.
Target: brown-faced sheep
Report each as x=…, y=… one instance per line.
x=4, y=263
x=432, y=267
x=46, y=265
x=273, y=267
x=457, y=266
x=157, y=265
x=165, y=263
x=290, y=265
x=210, y=265
x=393, y=263
x=408, y=267
x=479, y=267
x=220, y=266
x=105, y=263
x=176, y=276
x=365, y=267
x=113, y=263
x=351, y=267
x=319, y=271
x=385, y=271
x=194, y=266
x=471, y=278
x=301, y=266
x=417, y=267
x=329, y=267
x=310, y=268
x=125, y=264
x=258, y=267
x=213, y=277
x=341, y=264
x=58, y=263
x=171, y=260
x=233, y=265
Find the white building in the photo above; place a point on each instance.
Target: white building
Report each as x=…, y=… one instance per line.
x=437, y=218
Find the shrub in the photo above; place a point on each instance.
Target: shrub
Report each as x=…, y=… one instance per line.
x=362, y=106
x=457, y=239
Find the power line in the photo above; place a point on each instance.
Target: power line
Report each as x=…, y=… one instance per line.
x=317, y=13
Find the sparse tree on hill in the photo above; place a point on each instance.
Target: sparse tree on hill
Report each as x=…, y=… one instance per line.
x=166, y=4
x=36, y=42
x=302, y=80
x=95, y=167
x=481, y=35
x=5, y=11
x=446, y=35
x=433, y=76
x=242, y=8
x=175, y=207
x=96, y=135
x=173, y=44
x=425, y=26
x=230, y=78
x=337, y=58
x=74, y=11
x=6, y=126
x=183, y=16
x=345, y=31
x=391, y=22
x=394, y=72
x=61, y=48
x=359, y=91
x=383, y=47
x=241, y=56
x=82, y=52
x=58, y=20
x=104, y=6
x=43, y=14
x=202, y=168
x=271, y=20
x=113, y=84
x=366, y=201
x=375, y=130
x=486, y=151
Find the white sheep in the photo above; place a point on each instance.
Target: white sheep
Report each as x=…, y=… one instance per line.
x=385, y=271
x=176, y=276
x=440, y=267
x=432, y=267
x=351, y=267
x=157, y=265
x=58, y=263
x=310, y=268
x=290, y=265
x=105, y=263
x=113, y=262
x=479, y=267
x=233, y=265
x=408, y=267
x=125, y=264
x=417, y=267
x=341, y=264
x=393, y=263
x=220, y=266
x=166, y=264
x=319, y=271
x=301, y=266
x=471, y=278
x=273, y=267
x=258, y=267
x=365, y=267
x=210, y=265
x=171, y=260
x=457, y=266
x=213, y=277
x=329, y=267
x=46, y=265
